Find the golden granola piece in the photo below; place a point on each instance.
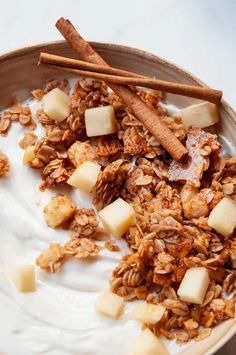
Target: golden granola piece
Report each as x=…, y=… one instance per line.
x=196, y=207
x=105, y=146
x=46, y=154
x=200, y=146
x=4, y=164
x=60, y=84
x=134, y=142
x=81, y=248
x=84, y=223
x=54, y=173
x=58, y=211
x=37, y=94
x=233, y=254
x=36, y=164
x=29, y=139
x=111, y=246
x=176, y=125
x=43, y=118
x=80, y=152
x=5, y=124
x=51, y=258
x=110, y=180
x=152, y=99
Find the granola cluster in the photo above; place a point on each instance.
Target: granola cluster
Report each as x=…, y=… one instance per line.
x=16, y=113
x=171, y=234
x=4, y=164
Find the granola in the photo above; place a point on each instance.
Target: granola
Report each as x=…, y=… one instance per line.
x=81, y=248
x=51, y=259
x=110, y=181
x=4, y=164
x=29, y=139
x=171, y=233
x=84, y=223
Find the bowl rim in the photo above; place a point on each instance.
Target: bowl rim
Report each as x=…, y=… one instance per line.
x=117, y=47
x=21, y=51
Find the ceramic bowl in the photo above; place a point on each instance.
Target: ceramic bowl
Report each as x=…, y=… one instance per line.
x=20, y=75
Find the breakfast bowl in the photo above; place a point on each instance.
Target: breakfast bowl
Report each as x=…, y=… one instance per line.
x=32, y=322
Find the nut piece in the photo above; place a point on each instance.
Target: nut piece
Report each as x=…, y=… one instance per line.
x=118, y=217
x=147, y=344
x=23, y=277
x=56, y=105
x=58, y=211
x=194, y=285
x=200, y=115
x=223, y=217
x=100, y=121
x=85, y=176
x=29, y=155
x=109, y=304
x=148, y=313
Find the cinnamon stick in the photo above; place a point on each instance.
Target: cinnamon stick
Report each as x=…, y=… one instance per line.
x=119, y=76
x=144, y=113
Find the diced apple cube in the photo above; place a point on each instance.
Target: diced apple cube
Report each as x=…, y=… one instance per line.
x=100, y=121
x=56, y=105
x=118, y=217
x=23, y=277
x=85, y=176
x=29, y=155
x=194, y=285
x=58, y=211
x=148, y=313
x=187, y=193
x=147, y=344
x=200, y=116
x=110, y=304
x=223, y=217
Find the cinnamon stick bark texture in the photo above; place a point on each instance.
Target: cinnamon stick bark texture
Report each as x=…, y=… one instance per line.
x=124, y=77
x=144, y=113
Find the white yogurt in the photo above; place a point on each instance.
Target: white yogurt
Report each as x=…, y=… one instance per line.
x=59, y=318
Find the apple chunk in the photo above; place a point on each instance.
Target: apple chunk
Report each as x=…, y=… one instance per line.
x=147, y=344
x=85, y=176
x=187, y=193
x=194, y=285
x=23, y=277
x=58, y=211
x=223, y=217
x=118, y=217
x=29, y=155
x=100, y=121
x=109, y=304
x=200, y=115
x=56, y=105
x=148, y=313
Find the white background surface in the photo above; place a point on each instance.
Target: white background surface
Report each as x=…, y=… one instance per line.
x=198, y=35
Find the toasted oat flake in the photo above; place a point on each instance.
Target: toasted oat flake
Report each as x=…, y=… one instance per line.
x=110, y=180
x=84, y=223
x=111, y=246
x=29, y=139
x=4, y=164
x=51, y=258
x=81, y=248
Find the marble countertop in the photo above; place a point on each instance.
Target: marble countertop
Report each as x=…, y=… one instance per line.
x=196, y=35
